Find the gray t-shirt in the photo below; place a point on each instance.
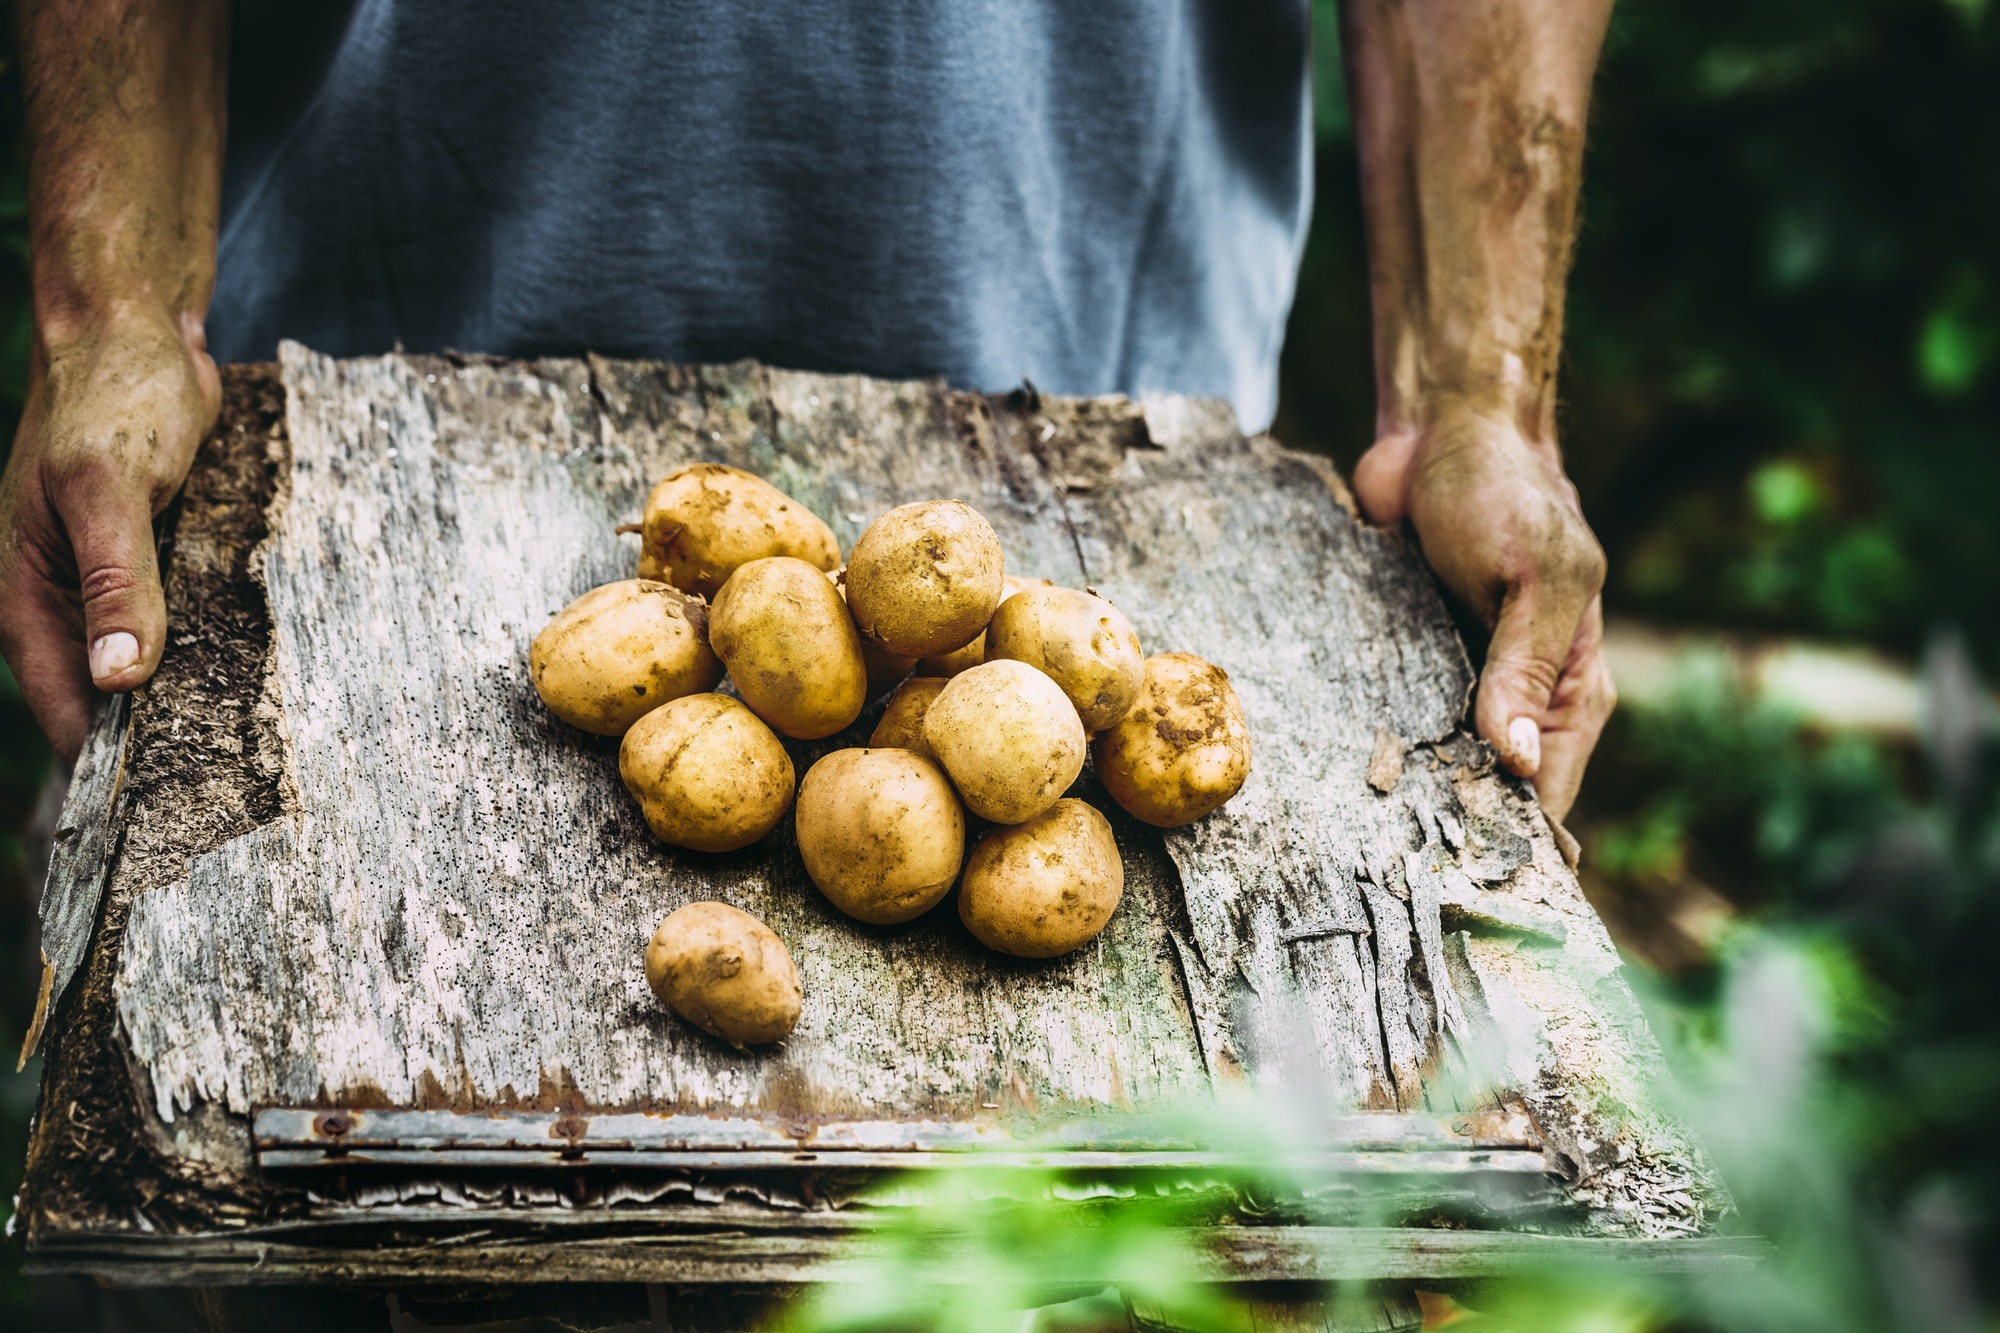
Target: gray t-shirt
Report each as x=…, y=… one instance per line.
x=1099, y=196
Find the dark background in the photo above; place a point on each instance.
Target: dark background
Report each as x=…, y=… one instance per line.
x=1779, y=403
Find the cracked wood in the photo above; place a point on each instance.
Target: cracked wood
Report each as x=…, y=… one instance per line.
x=451, y=908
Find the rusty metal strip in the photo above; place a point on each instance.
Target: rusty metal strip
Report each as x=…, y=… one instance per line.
x=1512, y=1161
x=292, y=1137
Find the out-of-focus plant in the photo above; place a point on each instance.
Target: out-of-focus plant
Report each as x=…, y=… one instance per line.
x=1736, y=789
x=976, y=1247
x=1840, y=1060
x=983, y=1245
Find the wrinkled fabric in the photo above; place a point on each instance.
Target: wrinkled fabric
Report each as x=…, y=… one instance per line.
x=1102, y=197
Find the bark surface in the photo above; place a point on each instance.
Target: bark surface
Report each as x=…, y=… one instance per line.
x=354, y=863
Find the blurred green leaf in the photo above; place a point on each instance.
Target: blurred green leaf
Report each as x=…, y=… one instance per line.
x=1783, y=492
x=1953, y=351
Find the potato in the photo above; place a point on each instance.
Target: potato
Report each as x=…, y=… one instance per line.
x=902, y=724
x=1044, y=887
x=1081, y=642
x=1184, y=748
x=706, y=773
x=924, y=578
x=880, y=832
x=964, y=659
x=620, y=651
x=959, y=659
x=706, y=519
x=726, y=972
x=780, y=627
x=884, y=669
x=1009, y=737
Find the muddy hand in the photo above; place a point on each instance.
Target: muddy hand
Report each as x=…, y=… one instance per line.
x=108, y=432
x=1500, y=524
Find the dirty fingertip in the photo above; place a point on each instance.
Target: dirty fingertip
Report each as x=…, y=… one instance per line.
x=113, y=655
x=1524, y=746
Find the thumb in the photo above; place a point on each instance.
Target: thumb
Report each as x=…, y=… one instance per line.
x=118, y=572
x=1531, y=642
x=1382, y=478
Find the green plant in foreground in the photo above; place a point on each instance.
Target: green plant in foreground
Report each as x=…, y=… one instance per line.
x=986, y=1244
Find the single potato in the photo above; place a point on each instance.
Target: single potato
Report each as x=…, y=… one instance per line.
x=1184, y=748
x=620, y=651
x=1009, y=737
x=924, y=578
x=706, y=773
x=884, y=669
x=964, y=659
x=902, y=724
x=780, y=627
x=1081, y=642
x=1044, y=887
x=706, y=519
x=726, y=972
x=880, y=832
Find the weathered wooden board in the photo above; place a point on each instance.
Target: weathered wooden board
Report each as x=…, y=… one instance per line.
x=739, y=1249
x=384, y=877
x=79, y=859
x=456, y=913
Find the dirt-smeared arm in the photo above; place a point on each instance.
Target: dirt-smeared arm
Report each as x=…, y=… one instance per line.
x=1470, y=123
x=124, y=111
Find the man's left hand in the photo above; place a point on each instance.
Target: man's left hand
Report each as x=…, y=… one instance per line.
x=1500, y=523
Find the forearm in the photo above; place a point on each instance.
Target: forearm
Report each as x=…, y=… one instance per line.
x=1469, y=118
x=123, y=129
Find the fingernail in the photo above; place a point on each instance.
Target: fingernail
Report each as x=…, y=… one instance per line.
x=112, y=654
x=1524, y=736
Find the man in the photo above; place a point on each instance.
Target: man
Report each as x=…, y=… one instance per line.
x=1106, y=197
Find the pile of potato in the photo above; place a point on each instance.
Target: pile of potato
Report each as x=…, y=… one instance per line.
x=1014, y=681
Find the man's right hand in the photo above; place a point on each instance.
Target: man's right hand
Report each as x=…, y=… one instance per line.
x=113, y=417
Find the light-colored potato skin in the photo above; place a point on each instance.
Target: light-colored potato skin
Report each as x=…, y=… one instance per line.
x=1184, y=748
x=884, y=669
x=951, y=663
x=707, y=773
x=1045, y=887
x=881, y=833
x=780, y=628
x=924, y=578
x=970, y=656
x=726, y=972
x=902, y=724
x=706, y=519
x=1081, y=642
x=620, y=651
x=1009, y=737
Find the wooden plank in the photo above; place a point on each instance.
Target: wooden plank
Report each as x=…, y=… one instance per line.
x=651, y=1249
x=383, y=878
x=79, y=859
x=457, y=914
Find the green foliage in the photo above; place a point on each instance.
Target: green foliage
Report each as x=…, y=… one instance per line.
x=1019, y=1244
x=1735, y=789
x=1838, y=1058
